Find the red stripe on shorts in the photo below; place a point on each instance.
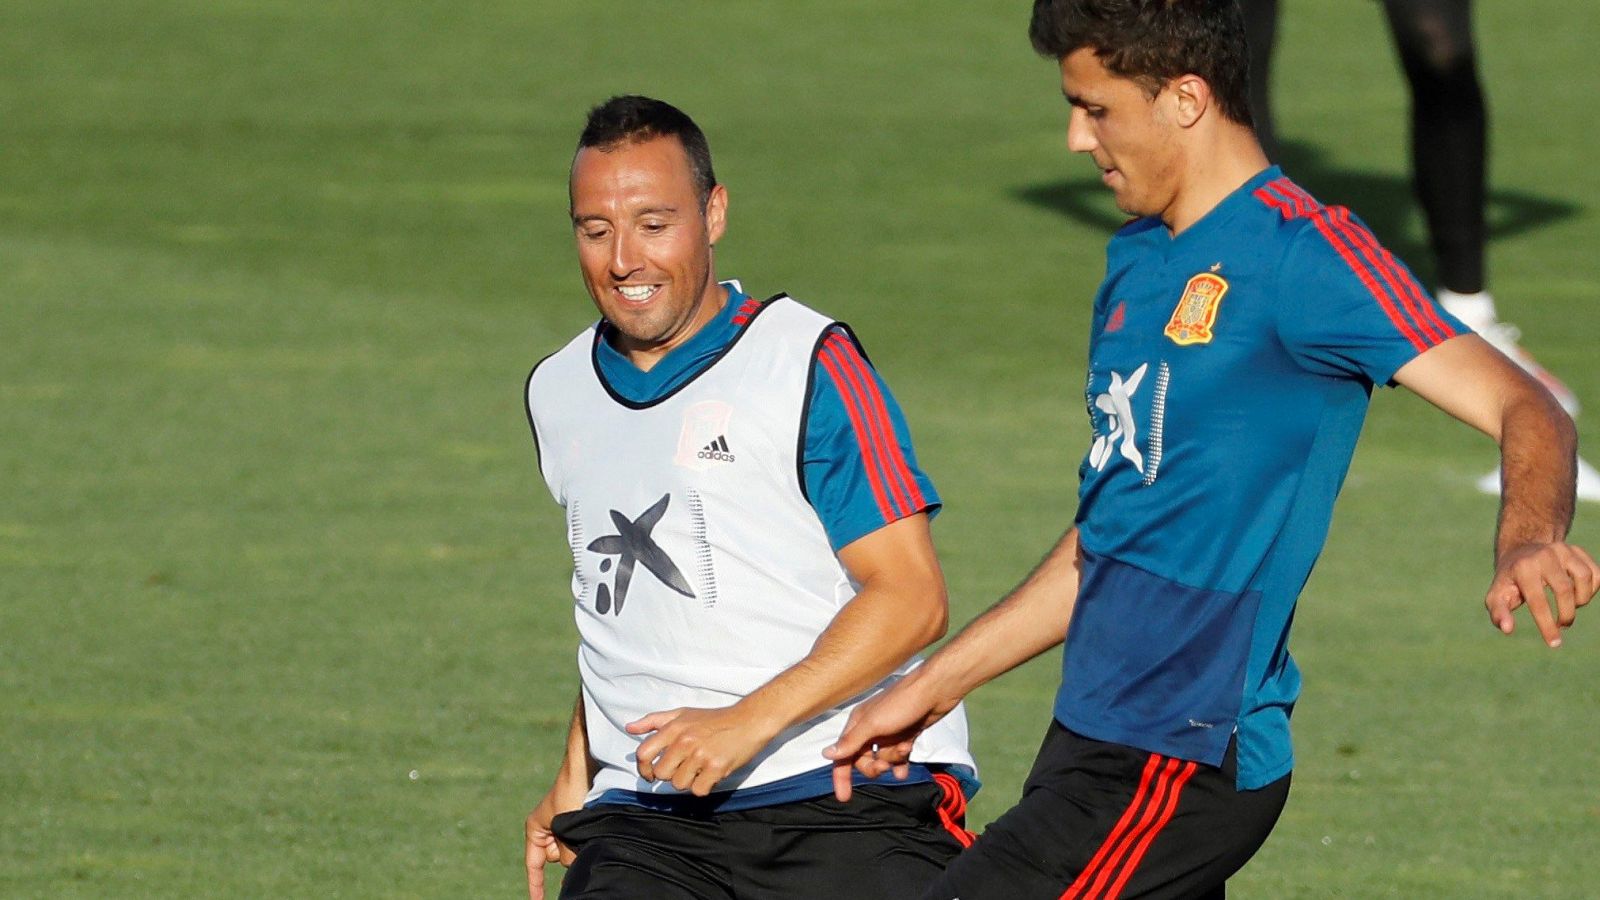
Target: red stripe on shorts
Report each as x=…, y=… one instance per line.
x=1125, y=847
x=952, y=808
x=1151, y=767
x=1150, y=833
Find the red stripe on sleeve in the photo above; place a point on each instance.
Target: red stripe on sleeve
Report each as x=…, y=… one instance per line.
x=1339, y=218
x=903, y=487
x=746, y=310
x=1307, y=208
x=1371, y=283
x=1417, y=303
x=1294, y=204
x=894, y=454
x=1167, y=810
x=1075, y=891
x=874, y=478
x=1379, y=261
x=1267, y=197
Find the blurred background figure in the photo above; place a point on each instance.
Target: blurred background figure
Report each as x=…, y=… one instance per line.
x=1449, y=150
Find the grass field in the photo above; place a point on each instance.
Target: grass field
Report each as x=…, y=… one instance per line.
x=283, y=603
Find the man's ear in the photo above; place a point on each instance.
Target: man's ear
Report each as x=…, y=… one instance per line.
x=717, y=213
x=1191, y=96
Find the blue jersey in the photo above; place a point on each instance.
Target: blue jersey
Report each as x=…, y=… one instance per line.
x=1230, y=369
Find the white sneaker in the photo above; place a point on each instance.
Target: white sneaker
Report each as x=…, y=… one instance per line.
x=1588, y=482
x=1503, y=336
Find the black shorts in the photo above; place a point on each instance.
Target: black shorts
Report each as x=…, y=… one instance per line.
x=1100, y=820
x=888, y=842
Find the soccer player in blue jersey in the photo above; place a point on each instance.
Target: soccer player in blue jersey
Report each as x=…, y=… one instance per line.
x=751, y=558
x=1235, y=343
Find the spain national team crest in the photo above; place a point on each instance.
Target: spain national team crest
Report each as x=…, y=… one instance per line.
x=1192, y=321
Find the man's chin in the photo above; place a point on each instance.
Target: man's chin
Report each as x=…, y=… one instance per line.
x=1126, y=207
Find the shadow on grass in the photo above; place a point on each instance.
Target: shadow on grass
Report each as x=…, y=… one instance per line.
x=1382, y=199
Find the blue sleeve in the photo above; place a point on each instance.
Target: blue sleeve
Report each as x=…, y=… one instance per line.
x=1349, y=308
x=860, y=470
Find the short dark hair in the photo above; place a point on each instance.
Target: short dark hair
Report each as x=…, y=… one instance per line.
x=1154, y=41
x=632, y=119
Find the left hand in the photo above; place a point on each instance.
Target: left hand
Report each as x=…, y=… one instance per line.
x=1525, y=571
x=696, y=748
x=542, y=847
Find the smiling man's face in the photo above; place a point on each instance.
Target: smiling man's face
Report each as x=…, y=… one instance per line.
x=644, y=243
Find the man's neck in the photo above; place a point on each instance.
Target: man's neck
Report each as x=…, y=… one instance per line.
x=1215, y=169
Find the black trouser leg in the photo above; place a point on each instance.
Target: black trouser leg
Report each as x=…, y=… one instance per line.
x=1449, y=128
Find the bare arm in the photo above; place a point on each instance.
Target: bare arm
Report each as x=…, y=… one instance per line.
x=1473, y=382
x=571, y=786
x=900, y=609
x=1025, y=623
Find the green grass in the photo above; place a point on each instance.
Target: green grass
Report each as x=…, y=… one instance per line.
x=282, y=600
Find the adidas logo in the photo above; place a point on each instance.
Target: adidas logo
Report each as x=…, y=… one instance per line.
x=717, y=450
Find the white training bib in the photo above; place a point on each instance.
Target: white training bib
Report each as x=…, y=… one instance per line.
x=700, y=570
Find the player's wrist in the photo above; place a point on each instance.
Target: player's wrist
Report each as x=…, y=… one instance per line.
x=935, y=684
x=572, y=778
x=763, y=716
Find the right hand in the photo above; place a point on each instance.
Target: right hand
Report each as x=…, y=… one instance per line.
x=542, y=847
x=877, y=737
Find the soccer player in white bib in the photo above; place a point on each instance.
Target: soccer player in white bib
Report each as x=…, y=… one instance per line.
x=751, y=560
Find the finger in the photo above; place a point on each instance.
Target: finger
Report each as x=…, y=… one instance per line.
x=535, y=861
x=1592, y=578
x=1500, y=601
x=649, y=756
x=552, y=851
x=666, y=765
x=1558, y=572
x=567, y=855
x=1531, y=587
x=684, y=774
x=1588, y=581
x=850, y=742
x=871, y=766
x=644, y=762
x=896, y=753
x=706, y=781
x=652, y=722
x=902, y=771
x=842, y=780
x=1566, y=591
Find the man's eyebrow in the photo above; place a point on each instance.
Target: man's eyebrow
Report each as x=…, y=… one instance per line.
x=647, y=211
